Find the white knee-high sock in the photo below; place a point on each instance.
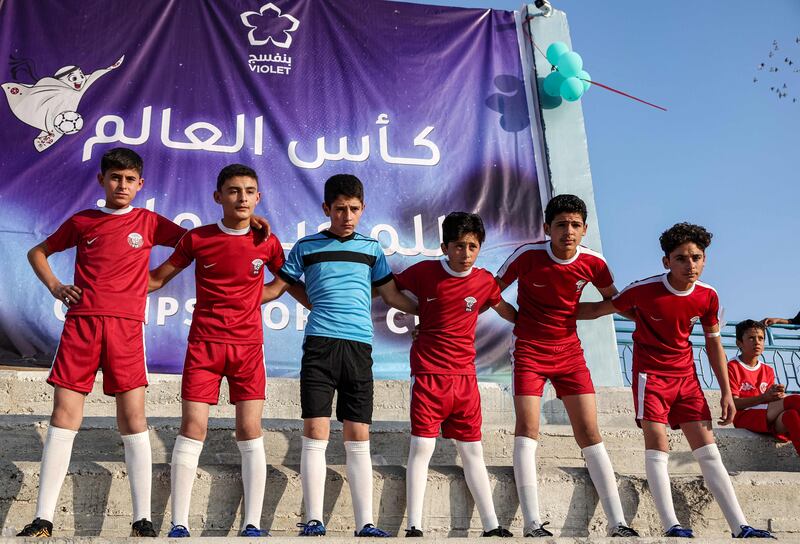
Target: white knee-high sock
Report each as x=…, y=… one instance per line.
x=420, y=451
x=525, y=477
x=139, y=463
x=655, y=464
x=359, y=475
x=185, y=457
x=478, y=481
x=55, y=461
x=602, y=475
x=719, y=482
x=254, y=479
x=312, y=473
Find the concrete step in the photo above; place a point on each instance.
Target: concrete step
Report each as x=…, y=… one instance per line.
x=95, y=500
x=99, y=440
x=25, y=392
x=443, y=539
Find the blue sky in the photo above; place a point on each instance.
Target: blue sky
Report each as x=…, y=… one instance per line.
x=725, y=155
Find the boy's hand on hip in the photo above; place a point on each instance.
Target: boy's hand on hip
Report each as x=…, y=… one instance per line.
x=68, y=294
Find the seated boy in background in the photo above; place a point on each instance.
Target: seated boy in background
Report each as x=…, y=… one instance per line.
x=762, y=406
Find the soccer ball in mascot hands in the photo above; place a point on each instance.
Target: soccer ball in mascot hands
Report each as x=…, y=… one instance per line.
x=68, y=122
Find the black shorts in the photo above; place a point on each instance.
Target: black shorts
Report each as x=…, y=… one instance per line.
x=334, y=364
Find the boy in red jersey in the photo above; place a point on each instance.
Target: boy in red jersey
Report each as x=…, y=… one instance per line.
x=225, y=339
x=666, y=390
x=444, y=392
x=762, y=406
x=551, y=276
x=104, y=328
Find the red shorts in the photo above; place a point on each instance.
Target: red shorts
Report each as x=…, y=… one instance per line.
x=669, y=400
x=89, y=343
x=451, y=402
x=755, y=419
x=207, y=362
x=560, y=362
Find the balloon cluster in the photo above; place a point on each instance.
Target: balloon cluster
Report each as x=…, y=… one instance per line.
x=569, y=80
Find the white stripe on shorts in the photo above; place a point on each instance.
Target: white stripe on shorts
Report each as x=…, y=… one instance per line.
x=511, y=355
x=264, y=361
x=640, y=395
x=144, y=352
x=52, y=364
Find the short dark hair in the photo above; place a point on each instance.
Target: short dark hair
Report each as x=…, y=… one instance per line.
x=747, y=324
x=457, y=224
x=682, y=233
x=121, y=158
x=564, y=204
x=345, y=185
x=232, y=171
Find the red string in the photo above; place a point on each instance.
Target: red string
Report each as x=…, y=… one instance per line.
x=526, y=30
x=623, y=94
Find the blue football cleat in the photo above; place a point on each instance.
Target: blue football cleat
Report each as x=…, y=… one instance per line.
x=314, y=527
x=369, y=530
x=252, y=530
x=752, y=532
x=676, y=531
x=178, y=531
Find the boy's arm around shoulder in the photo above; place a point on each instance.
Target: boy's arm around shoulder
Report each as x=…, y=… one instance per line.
x=609, y=293
x=279, y=286
x=162, y=275
x=593, y=310
x=37, y=257
x=392, y=296
x=506, y=311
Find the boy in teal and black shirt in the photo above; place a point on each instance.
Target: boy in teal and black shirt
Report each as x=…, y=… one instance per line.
x=341, y=267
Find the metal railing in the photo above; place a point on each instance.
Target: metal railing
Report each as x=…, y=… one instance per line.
x=781, y=352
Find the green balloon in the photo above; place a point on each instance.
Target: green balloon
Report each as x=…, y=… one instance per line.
x=571, y=89
x=555, y=50
x=586, y=79
x=552, y=83
x=570, y=64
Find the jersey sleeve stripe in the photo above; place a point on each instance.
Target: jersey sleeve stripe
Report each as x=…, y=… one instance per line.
x=517, y=252
x=707, y=286
x=593, y=253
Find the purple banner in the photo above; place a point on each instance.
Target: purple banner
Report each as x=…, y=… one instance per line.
x=425, y=104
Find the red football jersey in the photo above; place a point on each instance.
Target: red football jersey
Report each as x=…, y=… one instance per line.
x=229, y=274
x=664, y=321
x=747, y=381
x=549, y=288
x=449, y=304
x=113, y=255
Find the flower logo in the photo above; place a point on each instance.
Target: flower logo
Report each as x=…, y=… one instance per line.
x=270, y=21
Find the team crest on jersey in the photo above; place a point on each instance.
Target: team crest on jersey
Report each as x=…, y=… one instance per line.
x=763, y=387
x=470, y=303
x=579, y=285
x=135, y=240
x=257, y=264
